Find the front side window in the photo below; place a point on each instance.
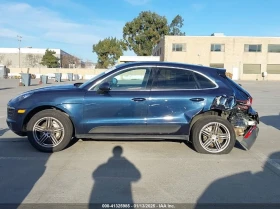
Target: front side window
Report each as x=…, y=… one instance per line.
x=128, y=80
x=174, y=79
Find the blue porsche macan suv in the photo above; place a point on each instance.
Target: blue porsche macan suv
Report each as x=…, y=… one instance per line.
x=140, y=100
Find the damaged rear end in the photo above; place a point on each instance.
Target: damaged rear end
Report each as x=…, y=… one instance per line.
x=245, y=121
x=237, y=109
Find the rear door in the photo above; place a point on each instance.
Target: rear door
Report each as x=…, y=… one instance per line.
x=176, y=96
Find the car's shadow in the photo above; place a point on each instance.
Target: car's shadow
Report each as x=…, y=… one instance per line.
x=3, y=131
x=6, y=88
x=271, y=120
x=21, y=167
x=237, y=146
x=186, y=143
x=246, y=189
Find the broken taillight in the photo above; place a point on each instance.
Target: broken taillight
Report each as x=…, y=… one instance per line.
x=246, y=102
x=248, y=134
x=250, y=101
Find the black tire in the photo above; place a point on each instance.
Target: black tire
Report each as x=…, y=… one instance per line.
x=197, y=127
x=62, y=118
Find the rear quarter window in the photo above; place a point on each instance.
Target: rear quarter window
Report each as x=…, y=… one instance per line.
x=204, y=82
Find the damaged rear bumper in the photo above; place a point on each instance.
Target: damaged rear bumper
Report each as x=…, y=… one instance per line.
x=249, y=138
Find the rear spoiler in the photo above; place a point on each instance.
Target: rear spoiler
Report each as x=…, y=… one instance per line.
x=221, y=71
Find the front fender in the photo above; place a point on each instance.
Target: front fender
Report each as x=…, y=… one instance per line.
x=75, y=112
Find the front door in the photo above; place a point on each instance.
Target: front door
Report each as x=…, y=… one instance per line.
x=123, y=109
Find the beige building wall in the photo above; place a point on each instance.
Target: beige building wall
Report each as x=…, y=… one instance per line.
x=198, y=51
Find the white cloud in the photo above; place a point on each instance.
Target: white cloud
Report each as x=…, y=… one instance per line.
x=137, y=2
x=40, y=24
x=8, y=33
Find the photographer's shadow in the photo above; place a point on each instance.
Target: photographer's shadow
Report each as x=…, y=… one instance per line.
x=112, y=180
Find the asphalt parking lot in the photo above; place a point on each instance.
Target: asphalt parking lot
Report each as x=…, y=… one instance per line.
x=146, y=172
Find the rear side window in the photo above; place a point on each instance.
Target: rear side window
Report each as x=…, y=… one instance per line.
x=204, y=82
x=167, y=78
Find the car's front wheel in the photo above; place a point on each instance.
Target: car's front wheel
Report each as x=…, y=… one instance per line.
x=213, y=135
x=49, y=130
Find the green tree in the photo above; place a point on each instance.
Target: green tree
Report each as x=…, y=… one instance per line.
x=176, y=25
x=49, y=59
x=144, y=32
x=108, y=51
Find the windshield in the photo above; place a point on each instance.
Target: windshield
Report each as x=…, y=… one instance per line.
x=99, y=75
x=91, y=80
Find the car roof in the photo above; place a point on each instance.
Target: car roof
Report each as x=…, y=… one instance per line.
x=199, y=68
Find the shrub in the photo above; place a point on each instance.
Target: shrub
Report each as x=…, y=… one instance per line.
x=228, y=74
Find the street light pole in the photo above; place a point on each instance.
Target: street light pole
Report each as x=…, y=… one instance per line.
x=19, y=41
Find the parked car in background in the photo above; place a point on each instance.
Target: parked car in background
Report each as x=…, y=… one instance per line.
x=140, y=100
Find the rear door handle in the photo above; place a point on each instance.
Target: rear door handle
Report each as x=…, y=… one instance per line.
x=138, y=99
x=197, y=99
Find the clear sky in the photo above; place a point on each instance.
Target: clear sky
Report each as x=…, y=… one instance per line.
x=74, y=25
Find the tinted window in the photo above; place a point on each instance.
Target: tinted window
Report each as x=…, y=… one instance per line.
x=174, y=79
x=204, y=82
x=132, y=79
x=217, y=47
x=275, y=48
x=178, y=47
x=252, y=47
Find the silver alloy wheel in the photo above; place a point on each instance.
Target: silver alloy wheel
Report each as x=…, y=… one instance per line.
x=214, y=137
x=48, y=132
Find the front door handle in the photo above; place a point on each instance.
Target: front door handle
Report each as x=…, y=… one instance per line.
x=197, y=99
x=138, y=99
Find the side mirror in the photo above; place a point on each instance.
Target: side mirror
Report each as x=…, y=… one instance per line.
x=77, y=84
x=114, y=81
x=105, y=87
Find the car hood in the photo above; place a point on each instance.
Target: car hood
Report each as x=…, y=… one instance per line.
x=45, y=89
x=53, y=88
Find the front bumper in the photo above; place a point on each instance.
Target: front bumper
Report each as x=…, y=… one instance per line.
x=15, y=121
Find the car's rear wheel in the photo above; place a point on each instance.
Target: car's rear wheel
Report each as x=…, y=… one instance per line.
x=213, y=135
x=49, y=131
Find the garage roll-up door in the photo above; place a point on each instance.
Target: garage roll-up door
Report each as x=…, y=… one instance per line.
x=251, y=69
x=273, y=69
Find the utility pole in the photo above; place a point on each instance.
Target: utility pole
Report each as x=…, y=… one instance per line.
x=19, y=41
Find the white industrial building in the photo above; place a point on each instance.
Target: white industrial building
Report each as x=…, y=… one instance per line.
x=27, y=57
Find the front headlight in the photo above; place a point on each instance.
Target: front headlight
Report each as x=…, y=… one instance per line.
x=23, y=96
